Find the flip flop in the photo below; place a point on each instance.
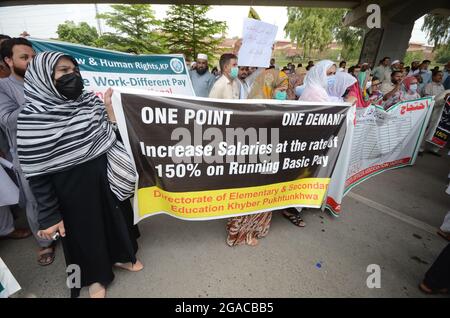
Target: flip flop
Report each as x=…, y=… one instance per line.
x=295, y=218
x=46, y=255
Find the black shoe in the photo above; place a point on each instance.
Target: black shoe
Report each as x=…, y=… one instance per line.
x=437, y=154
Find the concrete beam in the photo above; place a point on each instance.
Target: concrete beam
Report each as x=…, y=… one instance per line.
x=400, y=11
x=294, y=3
x=395, y=41
x=397, y=22
x=358, y=16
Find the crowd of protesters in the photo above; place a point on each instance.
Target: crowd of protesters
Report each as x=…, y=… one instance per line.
x=385, y=85
x=83, y=198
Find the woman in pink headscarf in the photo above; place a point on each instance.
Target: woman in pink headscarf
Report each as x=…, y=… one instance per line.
x=354, y=95
x=409, y=89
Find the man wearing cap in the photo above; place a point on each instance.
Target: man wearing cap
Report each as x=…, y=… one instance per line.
x=202, y=79
x=395, y=65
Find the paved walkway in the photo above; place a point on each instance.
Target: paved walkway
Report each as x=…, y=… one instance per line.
x=389, y=220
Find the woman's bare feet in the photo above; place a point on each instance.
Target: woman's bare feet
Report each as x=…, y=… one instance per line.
x=251, y=240
x=138, y=266
x=427, y=290
x=443, y=234
x=97, y=290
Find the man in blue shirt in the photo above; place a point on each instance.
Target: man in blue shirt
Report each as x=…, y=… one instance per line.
x=202, y=79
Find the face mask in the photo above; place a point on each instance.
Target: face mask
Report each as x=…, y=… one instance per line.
x=331, y=80
x=413, y=87
x=234, y=72
x=281, y=95
x=70, y=85
x=299, y=90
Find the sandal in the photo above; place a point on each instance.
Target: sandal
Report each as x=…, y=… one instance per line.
x=427, y=290
x=18, y=234
x=138, y=266
x=46, y=255
x=294, y=217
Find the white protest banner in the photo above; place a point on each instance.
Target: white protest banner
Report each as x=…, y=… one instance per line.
x=257, y=40
x=8, y=284
x=202, y=159
x=102, y=69
x=382, y=140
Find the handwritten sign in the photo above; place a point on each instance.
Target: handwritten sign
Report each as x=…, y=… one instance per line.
x=257, y=40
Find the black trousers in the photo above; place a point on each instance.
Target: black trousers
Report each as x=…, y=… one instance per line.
x=438, y=276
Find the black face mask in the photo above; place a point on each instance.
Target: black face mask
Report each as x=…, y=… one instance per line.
x=70, y=85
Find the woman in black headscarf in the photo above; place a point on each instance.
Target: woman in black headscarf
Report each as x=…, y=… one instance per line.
x=80, y=173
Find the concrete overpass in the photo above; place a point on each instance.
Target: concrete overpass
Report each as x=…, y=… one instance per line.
x=397, y=22
x=397, y=17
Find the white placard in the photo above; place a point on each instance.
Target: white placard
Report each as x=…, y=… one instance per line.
x=257, y=40
x=8, y=284
x=381, y=141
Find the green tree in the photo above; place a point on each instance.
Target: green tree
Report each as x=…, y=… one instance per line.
x=189, y=31
x=443, y=54
x=81, y=33
x=351, y=40
x=313, y=28
x=437, y=28
x=136, y=29
x=413, y=56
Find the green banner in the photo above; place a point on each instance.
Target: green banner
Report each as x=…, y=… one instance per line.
x=101, y=69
